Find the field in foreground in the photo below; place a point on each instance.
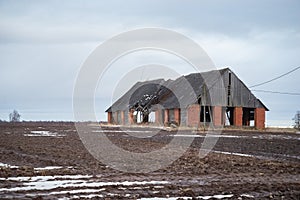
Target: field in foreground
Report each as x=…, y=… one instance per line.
x=40, y=160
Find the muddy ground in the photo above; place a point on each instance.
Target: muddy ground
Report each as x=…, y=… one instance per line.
x=47, y=160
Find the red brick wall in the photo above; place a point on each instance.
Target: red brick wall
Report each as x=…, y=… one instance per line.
x=109, y=116
x=115, y=117
x=166, y=119
x=158, y=120
x=193, y=115
x=218, y=115
x=259, y=118
x=122, y=117
x=177, y=115
x=130, y=116
x=238, y=116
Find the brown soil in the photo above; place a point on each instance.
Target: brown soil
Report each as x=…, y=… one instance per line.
x=273, y=171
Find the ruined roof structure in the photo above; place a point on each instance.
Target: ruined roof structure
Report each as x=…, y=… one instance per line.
x=217, y=88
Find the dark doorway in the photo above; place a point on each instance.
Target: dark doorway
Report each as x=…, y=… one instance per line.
x=248, y=116
x=205, y=114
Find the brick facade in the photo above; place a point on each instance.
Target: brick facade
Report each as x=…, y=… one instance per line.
x=122, y=117
x=109, y=117
x=259, y=118
x=193, y=115
x=218, y=116
x=166, y=119
x=130, y=117
x=115, y=117
x=238, y=116
x=158, y=117
x=177, y=115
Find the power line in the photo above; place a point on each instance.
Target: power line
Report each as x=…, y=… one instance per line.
x=275, y=78
x=276, y=92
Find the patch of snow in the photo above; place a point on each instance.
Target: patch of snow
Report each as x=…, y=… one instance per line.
x=47, y=168
x=43, y=134
x=228, y=136
x=232, y=153
x=195, y=136
x=128, y=183
x=220, y=136
x=90, y=196
x=64, y=198
x=247, y=195
x=52, y=182
x=8, y=166
x=219, y=196
x=163, y=198
x=120, y=131
x=36, y=168
x=222, y=196
x=45, y=178
x=159, y=186
x=136, y=188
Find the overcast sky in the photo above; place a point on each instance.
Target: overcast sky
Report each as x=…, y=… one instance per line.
x=44, y=43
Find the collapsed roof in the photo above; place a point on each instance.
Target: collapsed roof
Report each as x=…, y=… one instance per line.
x=217, y=87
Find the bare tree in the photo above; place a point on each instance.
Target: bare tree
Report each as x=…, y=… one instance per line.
x=297, y=120
x=14, y=116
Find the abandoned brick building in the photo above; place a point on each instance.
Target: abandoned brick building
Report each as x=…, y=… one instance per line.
x=215, y=97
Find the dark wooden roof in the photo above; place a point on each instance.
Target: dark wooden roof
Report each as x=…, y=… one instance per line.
x=187, y=90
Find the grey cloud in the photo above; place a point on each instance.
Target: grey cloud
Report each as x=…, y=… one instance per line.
x=44, y=43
